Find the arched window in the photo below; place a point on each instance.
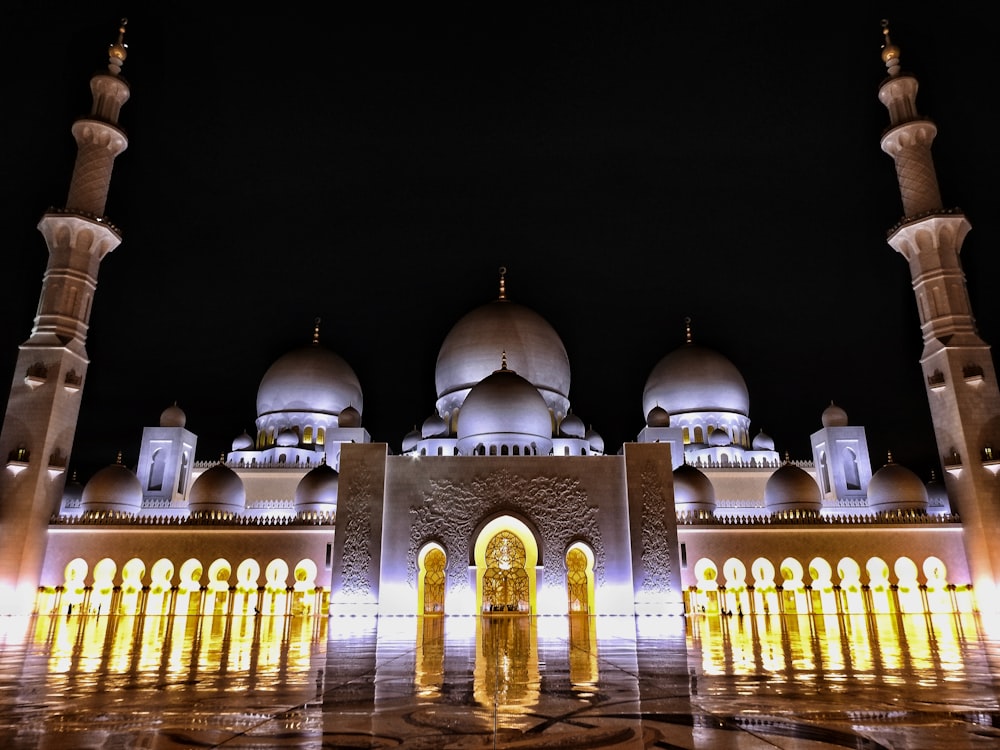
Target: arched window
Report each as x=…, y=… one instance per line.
x=156, y=469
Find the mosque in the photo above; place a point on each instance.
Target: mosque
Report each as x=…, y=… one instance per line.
x=503, y=501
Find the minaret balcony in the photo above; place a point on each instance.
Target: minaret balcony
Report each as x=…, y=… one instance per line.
x=952, y=463
x=72, y=382
x=991, y=459
x=936, y=381
x=972, y=374
x=36, y=375
x=17, y=460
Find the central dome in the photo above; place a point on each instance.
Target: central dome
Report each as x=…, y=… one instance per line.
x=695, y=378
x=309, y=379
x=473, y=346
x=505, y=410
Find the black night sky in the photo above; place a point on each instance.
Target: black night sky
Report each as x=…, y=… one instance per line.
x=630, y=164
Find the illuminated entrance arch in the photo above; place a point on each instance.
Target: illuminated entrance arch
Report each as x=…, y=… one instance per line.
x=580, y=579
x=506, y=556
x=432, y=564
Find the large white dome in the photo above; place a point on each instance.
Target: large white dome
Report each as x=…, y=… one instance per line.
x=310, y=379
x=473, y=347
x=694, y=378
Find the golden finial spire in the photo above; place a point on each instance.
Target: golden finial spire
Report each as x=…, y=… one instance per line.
x=889, y=459
x=687, y=329
x=118, y=51
x=890, y=52
x=503, y=360
x=119, y=459
x=316, y=323
x=503, y=286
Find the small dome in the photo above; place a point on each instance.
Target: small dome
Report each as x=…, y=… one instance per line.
x=572, y=427
x=349, y=417
x=763, y=442
x=693, y=491
x=719, y=438
x=218, y=489
x=834, y=416
x=695, y=378
x=410, y=440
x=287, y=438
x=896, y=488
x=434, y=426
x=593, y=437
x=505, y=409
x=658, y=417
x=114, y=489
x=791, y=488
x=243, y=442
x=173, y=416
x=316, y=492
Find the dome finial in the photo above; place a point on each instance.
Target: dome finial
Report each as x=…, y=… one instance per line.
x=119, y=459
x=503, y=360
x=890, y=52
x=888, y=459
x=117, y=52
x=316, y=323
x=503, y=285
x=687, y=329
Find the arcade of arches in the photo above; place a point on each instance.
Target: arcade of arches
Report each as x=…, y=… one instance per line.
x=97, y=591
x=848, y=588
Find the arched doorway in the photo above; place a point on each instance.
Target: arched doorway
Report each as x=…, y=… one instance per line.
x=432, y=565
x=506, y=555
x=580, y=579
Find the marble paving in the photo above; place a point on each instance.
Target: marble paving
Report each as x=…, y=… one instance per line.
x=508, y=681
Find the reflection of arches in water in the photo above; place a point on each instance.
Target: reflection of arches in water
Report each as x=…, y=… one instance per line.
x=428, y=677
x=580, y=578
x=432, y=564
x=583, y=672
x=505, y=582
x=506, y=671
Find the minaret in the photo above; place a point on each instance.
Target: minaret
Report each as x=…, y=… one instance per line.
x=957, y=365
x=44, y=404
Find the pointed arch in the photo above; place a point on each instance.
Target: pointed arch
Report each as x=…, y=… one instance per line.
x=580, y=578
x=506, y=558
x=432, y=575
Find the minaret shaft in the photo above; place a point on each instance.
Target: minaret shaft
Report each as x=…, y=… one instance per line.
x=44, y=404
x=957, y=365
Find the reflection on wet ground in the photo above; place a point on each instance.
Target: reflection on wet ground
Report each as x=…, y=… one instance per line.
x=870, y=682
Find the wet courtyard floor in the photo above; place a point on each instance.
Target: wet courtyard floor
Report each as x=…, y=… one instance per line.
x=510, y=681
